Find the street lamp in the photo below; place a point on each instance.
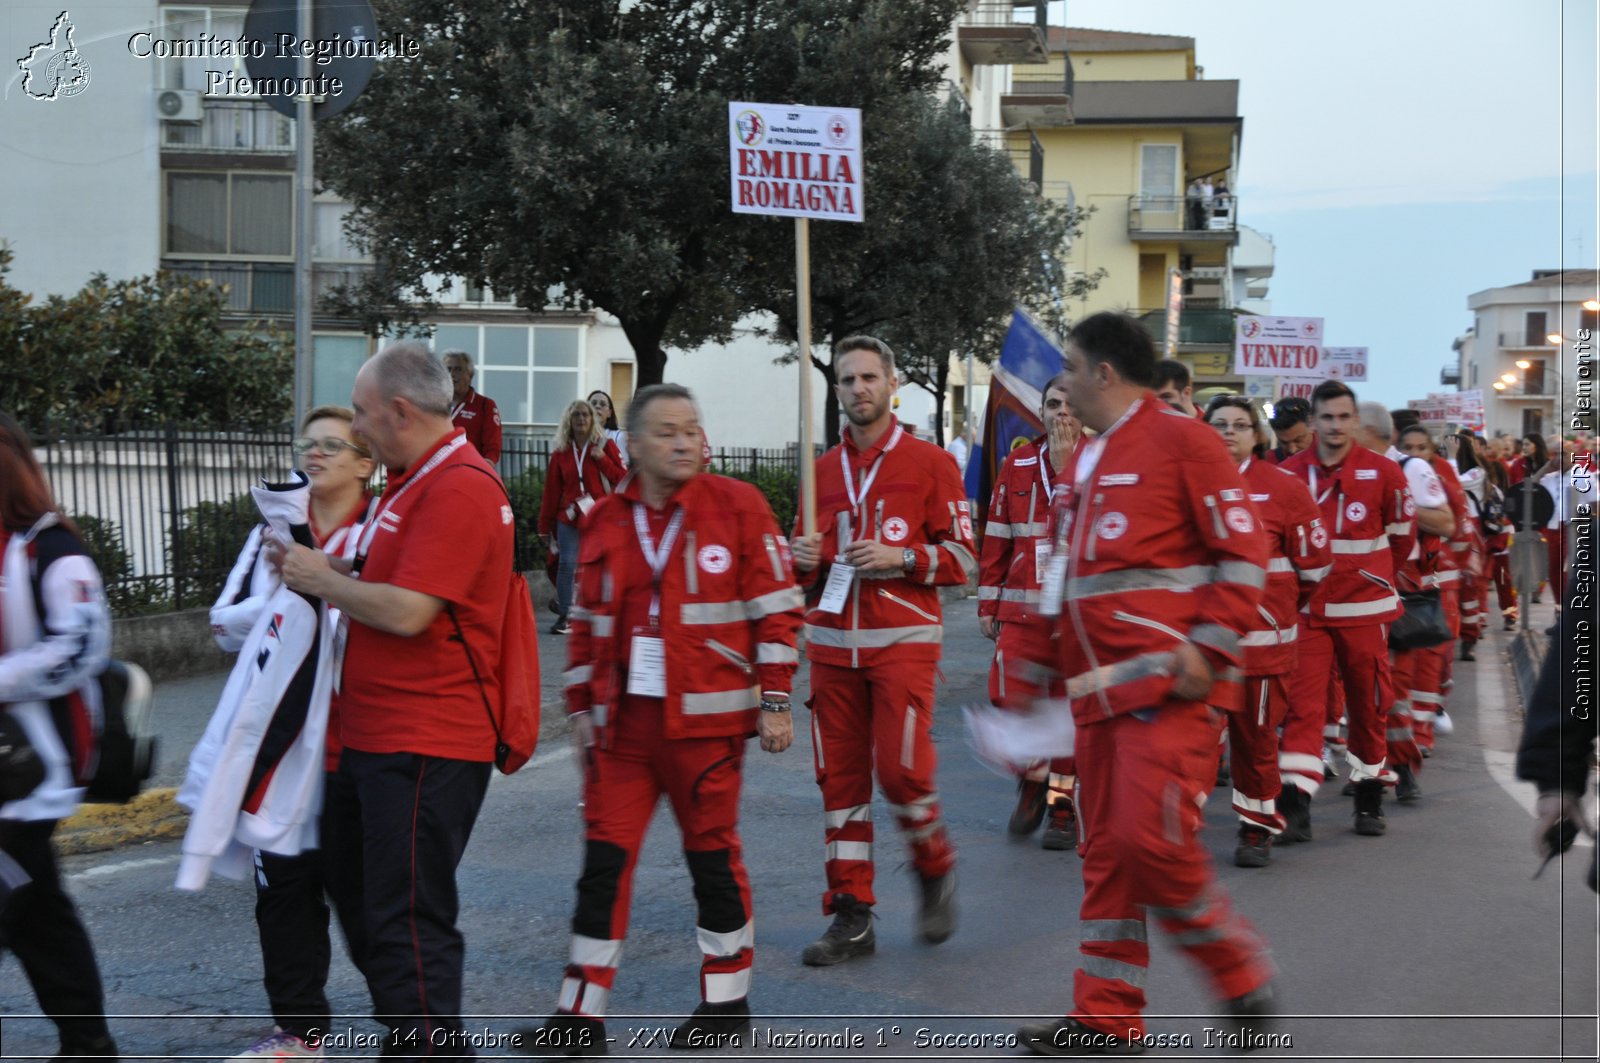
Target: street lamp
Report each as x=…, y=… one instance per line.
x=1591, y=305
x=1555, y=339
x=1523, y=363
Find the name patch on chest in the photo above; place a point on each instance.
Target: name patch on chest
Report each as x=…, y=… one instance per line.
x=1260, y=498
x=1020, y=462
x=1232, y=494
x=1366, y=474
x=1119, y=479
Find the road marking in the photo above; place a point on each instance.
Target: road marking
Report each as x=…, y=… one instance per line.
x=126, y=865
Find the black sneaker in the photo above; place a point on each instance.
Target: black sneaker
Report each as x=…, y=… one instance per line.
x=1294, y=804
x=1029, y=813
x=850, y=935
x=714, y=1026
x=1255, y=847
x=937, y=920
x=1251, y=1018
x=561, y=627
x=1349, y=789
x=1406, y=790
x=76, y=1049
x=567, y=1036
x=1369, y=808
x=1062, y=830
x=1069, y=1037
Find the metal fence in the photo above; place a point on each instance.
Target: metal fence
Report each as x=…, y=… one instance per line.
x=165, y=510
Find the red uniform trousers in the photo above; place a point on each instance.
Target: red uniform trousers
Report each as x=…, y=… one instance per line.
x=1555, y=545
x=1499, y=571
x=1253, y=751
x=876, y=718
x=1008, y=647
x=622, y=785
x=1142, y=779
x=1333, y=730
x=1430, y=680
x=1358, y=659
x=1401, y=732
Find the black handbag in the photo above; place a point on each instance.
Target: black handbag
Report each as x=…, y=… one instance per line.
x=1422, y=624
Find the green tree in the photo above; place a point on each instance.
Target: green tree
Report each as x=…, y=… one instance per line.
x=574, y=153
x=131, y=352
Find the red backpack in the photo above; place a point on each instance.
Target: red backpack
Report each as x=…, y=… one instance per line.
x=516, y=719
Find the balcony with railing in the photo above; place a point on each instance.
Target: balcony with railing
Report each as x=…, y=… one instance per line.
x=1196, y=327
x=1027, y=158
x=1184, y=218
x=1002, y=33
x=232, y=127
x=1039, y=97
x=1526, y=341
x=266, y=289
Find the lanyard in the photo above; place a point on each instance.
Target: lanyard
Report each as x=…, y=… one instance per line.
x=1324, y=496
x=583, y=488
x=455, y=411
x=856, y=500
x=1048, y=479
x=654, y=557
x=431, y=464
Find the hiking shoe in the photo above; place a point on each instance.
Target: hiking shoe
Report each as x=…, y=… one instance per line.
x=1255, y=847
x=1029, y=813
x=1348, y=789
x=561, y=627
x=1069, y=1037
x=937, y=920
x=1369, y=808
x=1466, y=653
x=1294, y=804
x=1406, y=790
x=1443, y=724
x=566, y=1035
x=1251, y=1018
x=1062, y=830
x=280, y=1044
x=849, y=936
x=714, y=1026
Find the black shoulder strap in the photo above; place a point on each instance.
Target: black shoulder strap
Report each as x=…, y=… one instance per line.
x=501, y=750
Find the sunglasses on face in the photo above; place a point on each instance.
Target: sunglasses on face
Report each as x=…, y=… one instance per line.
x=328, y=447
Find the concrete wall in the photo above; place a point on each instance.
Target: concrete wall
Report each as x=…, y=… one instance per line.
x=80, y=176
x=1131, y=66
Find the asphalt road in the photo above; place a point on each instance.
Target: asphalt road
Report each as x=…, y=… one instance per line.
x=1429, y=943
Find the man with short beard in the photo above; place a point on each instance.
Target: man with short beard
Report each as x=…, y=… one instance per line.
x=893, y=526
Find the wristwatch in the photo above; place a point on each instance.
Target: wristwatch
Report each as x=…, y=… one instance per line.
x=773, y=705
x=908, y=559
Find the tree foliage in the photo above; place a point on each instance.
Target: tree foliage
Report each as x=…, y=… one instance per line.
x=575, y=153
x=123, y=353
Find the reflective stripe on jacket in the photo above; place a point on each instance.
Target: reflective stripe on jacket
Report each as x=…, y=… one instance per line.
x=1019, y=517
x=1299, y=560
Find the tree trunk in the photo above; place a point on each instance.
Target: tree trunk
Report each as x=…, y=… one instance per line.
x=830, y=404
x=650, y=361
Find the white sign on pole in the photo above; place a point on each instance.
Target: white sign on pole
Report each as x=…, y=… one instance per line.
x=1345, y=363
x=1263, y=388
x=1296, y=387
x=1282, y=346
x=795, y=162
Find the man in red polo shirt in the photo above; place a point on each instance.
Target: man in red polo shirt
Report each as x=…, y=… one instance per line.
x=474, y=413
x=434, y=559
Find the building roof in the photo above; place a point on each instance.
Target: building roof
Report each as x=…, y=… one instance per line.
x=1079, y=39
x=1572, y=278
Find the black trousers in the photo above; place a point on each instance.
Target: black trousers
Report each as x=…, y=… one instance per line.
x=39, y=924
x=292, y=916
x=416, y=814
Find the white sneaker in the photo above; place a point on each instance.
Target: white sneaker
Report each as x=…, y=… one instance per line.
x=280, y=1044
x=1442, y=723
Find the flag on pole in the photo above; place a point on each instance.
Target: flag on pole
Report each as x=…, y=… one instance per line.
x=1028, y=359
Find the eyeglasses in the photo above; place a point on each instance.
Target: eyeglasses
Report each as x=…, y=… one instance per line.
x=328, y=447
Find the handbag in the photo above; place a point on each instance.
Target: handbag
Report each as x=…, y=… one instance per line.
x=1422, y=624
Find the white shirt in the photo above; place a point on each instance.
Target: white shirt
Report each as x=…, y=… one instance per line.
x=958, y=450
x=1560, y=487
x=1426, y=490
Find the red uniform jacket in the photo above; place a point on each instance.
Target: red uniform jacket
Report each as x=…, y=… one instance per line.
x=915, y=501
x=602, y=471
x=1367, y=509
x=1019, y=516
x=730, y=609
x=1162, y=547
x=479, y=417
x=1454, y=555
x=1299, y=560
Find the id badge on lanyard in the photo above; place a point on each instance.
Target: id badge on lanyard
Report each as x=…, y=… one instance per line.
x=647, y=656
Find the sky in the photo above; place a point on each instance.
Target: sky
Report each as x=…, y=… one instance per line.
x=1401, y=154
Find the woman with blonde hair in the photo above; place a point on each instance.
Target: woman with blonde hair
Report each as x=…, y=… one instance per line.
x=584, y=466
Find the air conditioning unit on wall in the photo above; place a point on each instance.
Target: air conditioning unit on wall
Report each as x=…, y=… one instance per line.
x=178, y=105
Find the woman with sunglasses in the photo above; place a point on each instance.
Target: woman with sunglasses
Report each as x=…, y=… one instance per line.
x=584, y=467
x=606, y=410
x=1300, y=558
x=55, y=633
x=291, y=912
